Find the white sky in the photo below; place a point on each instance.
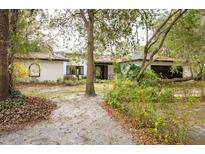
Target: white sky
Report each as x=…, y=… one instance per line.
x=60, y=44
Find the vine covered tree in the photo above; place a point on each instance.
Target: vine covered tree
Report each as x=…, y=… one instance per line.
x=4, y=46
x=155, y=41
x=26, y=36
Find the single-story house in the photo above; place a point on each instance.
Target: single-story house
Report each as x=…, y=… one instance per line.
x=47, y=66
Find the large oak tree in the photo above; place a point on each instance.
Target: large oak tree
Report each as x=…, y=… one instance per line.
x=96, y=31
x=89, y=27
x=4, y=45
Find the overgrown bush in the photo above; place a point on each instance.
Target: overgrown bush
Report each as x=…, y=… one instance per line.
x=70, y=77
x=103, y=81
x=20, y=71
x=150, y=107
x=150, y=78
x=74, y=82
x=166, y=98
x=130, y=72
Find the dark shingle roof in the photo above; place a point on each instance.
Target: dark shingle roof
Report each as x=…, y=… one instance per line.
x=43, y=56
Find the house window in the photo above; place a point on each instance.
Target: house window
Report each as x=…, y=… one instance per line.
x=70, y=70
x=74, y=70
x=80, y=70
x=34, y=70
x=67, y=70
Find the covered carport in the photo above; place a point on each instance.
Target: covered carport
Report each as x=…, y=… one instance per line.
x=164, y=71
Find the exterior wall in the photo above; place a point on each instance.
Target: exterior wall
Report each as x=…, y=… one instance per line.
x=111, y=72
x=162, y=63
x=186, y=71
x=49, y=70
x=53, y=70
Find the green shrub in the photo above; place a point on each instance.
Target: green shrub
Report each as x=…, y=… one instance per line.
x=166, y=98
x=131, y=71
x=149, y=74
x=74, y=82
x=150, y=78
x=103, y=81
x=70, y=77
x=117, y=70
x=149, y=107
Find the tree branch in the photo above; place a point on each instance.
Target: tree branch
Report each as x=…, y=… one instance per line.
x=166, y=32
x=82, y=14
x=144, y=18
x=162, y=25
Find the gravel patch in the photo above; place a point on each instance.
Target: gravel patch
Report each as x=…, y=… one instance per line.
x=77, y=120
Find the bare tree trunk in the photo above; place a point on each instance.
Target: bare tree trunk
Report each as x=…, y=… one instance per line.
x=142, y=67
x=182, y=79
x=90, y=91
x=4, y=39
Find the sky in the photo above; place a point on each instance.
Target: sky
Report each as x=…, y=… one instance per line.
x=62, y=44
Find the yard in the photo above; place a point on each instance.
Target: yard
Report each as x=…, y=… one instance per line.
x=88, y=120
x=173, y=113
x=77, y=119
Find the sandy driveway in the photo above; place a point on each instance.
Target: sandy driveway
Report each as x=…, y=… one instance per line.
x=77, y=120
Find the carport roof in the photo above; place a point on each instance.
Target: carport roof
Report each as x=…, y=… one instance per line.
x=160, y=59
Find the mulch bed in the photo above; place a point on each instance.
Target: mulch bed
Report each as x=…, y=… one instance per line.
x=138, y=134
x=32, y=111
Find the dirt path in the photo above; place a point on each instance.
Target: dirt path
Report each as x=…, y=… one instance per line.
x=77, y=120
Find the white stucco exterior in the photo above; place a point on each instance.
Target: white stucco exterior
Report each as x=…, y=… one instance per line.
x=52, y=70
x=111, y=73
x=49, y=70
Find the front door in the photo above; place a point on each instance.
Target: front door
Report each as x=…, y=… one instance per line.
x=101, y=72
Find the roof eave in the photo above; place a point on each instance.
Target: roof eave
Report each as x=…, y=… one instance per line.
x=43, y=59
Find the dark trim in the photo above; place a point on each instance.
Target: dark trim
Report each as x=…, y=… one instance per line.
x=67, y=70
x=103, y=63
x=39, y=74
x=103, y=74
x=157, y=60
x=78, y=68
x=47, y=59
